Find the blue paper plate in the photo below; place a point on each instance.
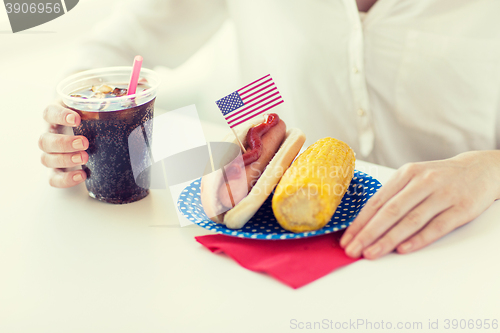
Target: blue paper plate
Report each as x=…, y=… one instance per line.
x=263, y=224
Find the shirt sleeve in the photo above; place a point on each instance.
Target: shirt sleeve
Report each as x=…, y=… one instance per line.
x=164, y=32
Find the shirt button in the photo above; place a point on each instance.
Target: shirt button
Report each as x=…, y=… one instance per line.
x=361, y=112
x=355, y=70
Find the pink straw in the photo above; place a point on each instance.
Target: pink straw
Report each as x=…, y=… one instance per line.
x=134, y=78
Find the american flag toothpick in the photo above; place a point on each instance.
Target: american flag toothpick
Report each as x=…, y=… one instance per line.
x=249, y=101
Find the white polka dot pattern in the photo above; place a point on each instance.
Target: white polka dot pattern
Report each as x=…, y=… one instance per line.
x=263, y=224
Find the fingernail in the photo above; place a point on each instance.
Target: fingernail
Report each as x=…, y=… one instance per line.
x=354, y=249
x=405, y=247
x=78, y=177
x=78, y=144
x=71, y=119
x=373, y=251
x=77, y=158
x=345, y=240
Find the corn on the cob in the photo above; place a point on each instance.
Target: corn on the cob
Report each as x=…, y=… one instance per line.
x=311, y=189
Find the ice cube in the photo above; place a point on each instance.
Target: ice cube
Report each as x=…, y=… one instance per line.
x=78, y=96
x=119, y=92
x=105, y=89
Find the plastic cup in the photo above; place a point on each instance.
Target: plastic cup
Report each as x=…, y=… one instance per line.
x=109, y=126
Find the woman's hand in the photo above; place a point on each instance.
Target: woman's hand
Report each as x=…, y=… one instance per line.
x=61, y=151
x=423, y=202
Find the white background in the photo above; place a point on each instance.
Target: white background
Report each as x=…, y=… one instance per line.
x=71, y=264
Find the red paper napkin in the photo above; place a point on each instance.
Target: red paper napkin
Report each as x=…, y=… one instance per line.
x=295, y=262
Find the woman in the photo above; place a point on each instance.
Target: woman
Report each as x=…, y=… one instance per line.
x=413, y=85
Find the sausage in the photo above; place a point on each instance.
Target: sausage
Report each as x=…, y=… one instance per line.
x=262, y=143
x=254, y=138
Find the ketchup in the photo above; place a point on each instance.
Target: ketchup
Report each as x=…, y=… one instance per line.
x=254, y=138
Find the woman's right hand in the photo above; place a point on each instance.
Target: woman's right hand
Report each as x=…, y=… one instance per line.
x=62, y=151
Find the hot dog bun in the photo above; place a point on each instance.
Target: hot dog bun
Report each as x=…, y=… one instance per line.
x=236, y=217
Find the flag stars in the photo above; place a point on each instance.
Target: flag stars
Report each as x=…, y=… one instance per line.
x=230, y=103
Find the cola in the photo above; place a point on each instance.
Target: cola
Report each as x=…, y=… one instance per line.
x=109, y=120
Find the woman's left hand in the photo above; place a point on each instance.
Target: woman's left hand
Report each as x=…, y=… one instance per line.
x=423, y=202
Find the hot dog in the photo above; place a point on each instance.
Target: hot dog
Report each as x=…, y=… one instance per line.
x=262, y=143
x=270, y=149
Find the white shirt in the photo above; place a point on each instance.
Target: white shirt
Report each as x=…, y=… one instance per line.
x=415, y=80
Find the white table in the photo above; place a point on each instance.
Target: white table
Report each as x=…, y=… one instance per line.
x=72, y=264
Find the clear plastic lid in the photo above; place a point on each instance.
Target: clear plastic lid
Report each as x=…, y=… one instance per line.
x=111, y=76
